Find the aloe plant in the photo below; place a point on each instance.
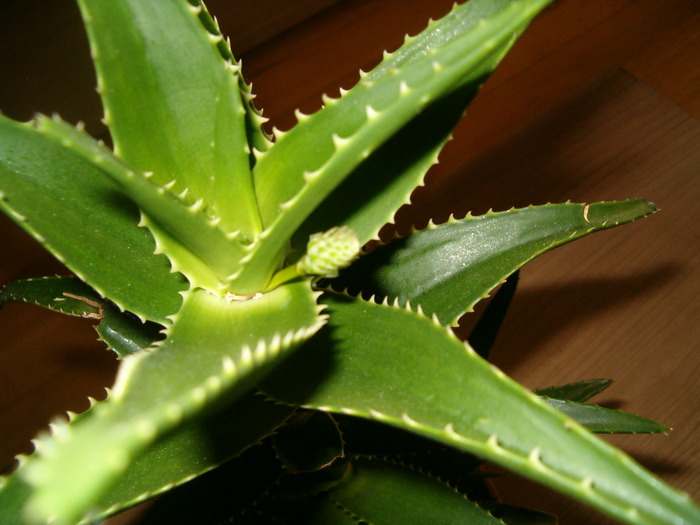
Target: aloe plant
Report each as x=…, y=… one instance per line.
x=225, y=268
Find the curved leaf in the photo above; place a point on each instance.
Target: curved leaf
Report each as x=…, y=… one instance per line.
x=398, y=367
x=172, y=102
x=447, y=269
x=84, y=219
x=214, y=352
x=121, y=331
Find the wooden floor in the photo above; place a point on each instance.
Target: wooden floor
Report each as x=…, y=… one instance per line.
x=599, y=100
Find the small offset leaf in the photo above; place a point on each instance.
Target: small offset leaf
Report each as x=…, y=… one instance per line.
x=214, y=352
x=580, y=391
x=172, y=102
x=400, y=368
x=121, y=331
x=603, y=420
x=447, y=269
x=84, y=219
x=384, y=494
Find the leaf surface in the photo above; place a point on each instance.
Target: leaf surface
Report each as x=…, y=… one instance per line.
x=214, y=352
x=447, y=269
x=398, y=367
x=85, y=220
x=172, y=102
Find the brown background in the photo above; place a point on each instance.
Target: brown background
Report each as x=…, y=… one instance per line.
x=599, y=100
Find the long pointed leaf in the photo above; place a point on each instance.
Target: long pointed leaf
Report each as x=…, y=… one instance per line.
x=84, y=218
x=603, y=420
x=396, y=366
x=172, y=102
x=447, y=269
x=371, y=194
x=214, y=351
x=194, y=448
x=580, y=391
x=315, y=156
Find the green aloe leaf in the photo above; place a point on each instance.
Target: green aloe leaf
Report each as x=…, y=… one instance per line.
x=313, y=158
x=603, y=420
x=190, y=450
x=122, y=332
x=380, y=493
x=194, y=243
x=172, y=102
x=398, y=367
x=369, y=197
x=215, y=350
x=86, y=220
x=447, y=269
x=580, y=391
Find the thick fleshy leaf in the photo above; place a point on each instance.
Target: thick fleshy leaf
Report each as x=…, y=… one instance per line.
x=122, y=332
x=398, y=367
x=85, y=219
x=313, y=158
x=214, y=352
x=603, y=420
x=172, y=102
x=195, y=244
x=371, y=194
x=194, y=448
x=384, y=494
x=447, y=269
x=580, y=391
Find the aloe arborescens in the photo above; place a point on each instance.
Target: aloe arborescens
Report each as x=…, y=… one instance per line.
x=210, y=253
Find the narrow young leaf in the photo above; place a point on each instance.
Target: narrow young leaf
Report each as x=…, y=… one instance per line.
x=214, y=352
x=400, y=368
x=86, y=220
x=195, y=447
x=603, y=420
x=122, y=332
x=447, y=269
x=172, y=103
x=580, y=391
